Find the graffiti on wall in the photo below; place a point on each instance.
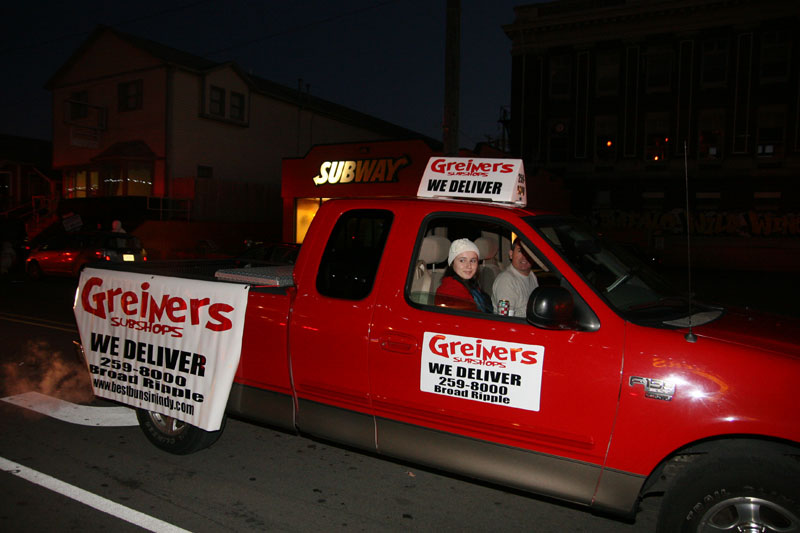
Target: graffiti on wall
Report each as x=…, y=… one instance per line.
x=711, y=223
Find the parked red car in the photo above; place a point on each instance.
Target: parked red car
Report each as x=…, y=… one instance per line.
x=67, y=254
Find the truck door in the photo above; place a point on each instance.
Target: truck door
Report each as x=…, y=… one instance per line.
x=329, y=330
x=492, y=396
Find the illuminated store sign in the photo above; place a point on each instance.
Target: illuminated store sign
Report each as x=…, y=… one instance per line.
x=362, y=171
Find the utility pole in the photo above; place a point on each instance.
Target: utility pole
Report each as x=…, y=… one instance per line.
x=452, y=68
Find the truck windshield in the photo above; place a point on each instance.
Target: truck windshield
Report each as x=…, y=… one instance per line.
x=627, y=283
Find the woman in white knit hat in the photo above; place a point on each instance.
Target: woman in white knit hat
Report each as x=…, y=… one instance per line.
x=460, y=286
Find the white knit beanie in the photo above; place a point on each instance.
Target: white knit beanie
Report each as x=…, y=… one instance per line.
x=459, y=246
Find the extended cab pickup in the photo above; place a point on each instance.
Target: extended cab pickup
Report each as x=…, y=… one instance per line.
x=613, y=387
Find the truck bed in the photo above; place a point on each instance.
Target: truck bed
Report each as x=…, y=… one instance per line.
x=209, y=270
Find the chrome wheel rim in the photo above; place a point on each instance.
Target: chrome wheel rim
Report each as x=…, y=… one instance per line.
x=749, y=515
x=167, y=424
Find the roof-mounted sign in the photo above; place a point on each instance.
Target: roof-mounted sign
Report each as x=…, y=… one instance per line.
x=494, y=180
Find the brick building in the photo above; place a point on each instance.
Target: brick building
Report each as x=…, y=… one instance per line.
x=623, y=99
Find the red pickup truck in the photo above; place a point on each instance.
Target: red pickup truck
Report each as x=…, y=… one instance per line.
x=613, y=387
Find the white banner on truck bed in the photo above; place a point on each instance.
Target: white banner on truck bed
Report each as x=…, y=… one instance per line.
x=169, y=345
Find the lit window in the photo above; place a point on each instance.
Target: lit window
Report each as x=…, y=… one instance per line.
x=139, y=179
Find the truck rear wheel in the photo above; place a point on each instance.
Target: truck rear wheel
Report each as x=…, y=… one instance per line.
x=753, y=492
x=175, y=436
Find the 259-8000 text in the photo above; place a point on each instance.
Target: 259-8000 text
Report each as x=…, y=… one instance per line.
x=461, y=384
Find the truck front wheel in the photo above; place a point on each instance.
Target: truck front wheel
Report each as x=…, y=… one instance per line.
x=745, y=493
x=175, y=436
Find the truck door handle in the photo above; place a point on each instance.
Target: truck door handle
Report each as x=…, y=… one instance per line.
x=398, y=342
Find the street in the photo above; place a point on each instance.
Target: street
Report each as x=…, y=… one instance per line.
x=253, y=479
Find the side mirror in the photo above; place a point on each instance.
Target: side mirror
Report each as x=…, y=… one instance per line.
x=551, y=308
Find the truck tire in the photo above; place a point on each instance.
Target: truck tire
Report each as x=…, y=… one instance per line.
x=753, y=492
x=174, y=436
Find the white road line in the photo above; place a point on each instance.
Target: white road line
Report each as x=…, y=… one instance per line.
x=85, y=415
x=87, y=498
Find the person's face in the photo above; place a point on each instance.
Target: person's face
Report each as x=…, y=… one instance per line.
x=466, y=264
x=520, y=260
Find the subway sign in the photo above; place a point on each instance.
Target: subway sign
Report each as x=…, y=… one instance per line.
x=382, y=170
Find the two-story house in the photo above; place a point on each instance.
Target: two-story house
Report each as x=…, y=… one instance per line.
x=144, y=131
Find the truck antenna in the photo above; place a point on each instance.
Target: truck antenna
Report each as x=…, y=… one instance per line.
x=690, y=336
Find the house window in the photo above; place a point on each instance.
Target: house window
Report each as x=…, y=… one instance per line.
x=658, y=71
x=710, y=134
x=237, y=106
x=607, y=73
x=217, y=101
x=771, y=131
x=205, y=172
x=560, y=76
x=714, y=70
x=77, y=105
x=775, y=56
x=130, y=95
x=558, y=140
x=605, y=135
x=656, y=143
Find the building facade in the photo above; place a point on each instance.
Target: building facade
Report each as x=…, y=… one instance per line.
x=639, y=104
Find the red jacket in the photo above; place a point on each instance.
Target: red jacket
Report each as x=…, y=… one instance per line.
x=453, y=293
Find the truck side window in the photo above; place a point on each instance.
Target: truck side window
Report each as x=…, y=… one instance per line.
x=492, y=237
x=351, y=258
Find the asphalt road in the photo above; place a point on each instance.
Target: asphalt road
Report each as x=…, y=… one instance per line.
x=93, y=478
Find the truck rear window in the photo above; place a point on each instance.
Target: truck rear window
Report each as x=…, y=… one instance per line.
x=348, y=266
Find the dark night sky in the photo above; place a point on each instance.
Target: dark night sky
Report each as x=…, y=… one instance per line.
x=384, y=58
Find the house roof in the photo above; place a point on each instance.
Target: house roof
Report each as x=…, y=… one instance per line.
x=178, y=58
x=126, y=150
